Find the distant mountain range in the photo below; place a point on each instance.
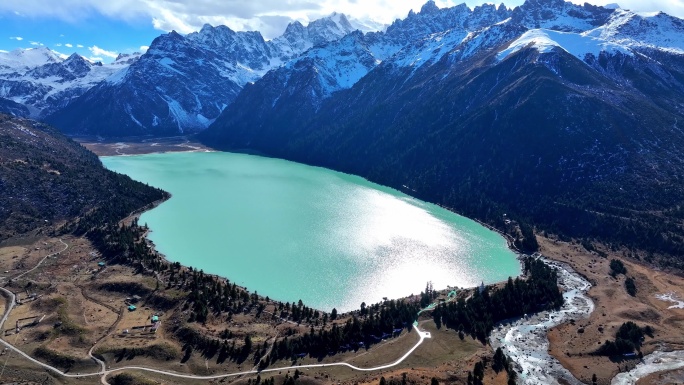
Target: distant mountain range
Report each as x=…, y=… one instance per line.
x=42, y=81
x=568, y=116
x=183, y=83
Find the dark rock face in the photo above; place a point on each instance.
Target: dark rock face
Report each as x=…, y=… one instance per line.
x=10, y=107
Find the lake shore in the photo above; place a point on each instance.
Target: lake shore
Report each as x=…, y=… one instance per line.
x=141, y=145
x=569, y=363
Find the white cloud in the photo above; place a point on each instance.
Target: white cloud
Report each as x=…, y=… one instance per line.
x=97, y=51
x=17, y=38
x=268, y=16
x=95, y=59
x=79, y=45
x=61, y=55
x=68, y=45
x=3, y=51
x=144, y=48
x=58, y=45
x=36, y=43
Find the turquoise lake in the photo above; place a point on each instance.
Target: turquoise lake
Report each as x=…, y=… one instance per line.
x=291, y=231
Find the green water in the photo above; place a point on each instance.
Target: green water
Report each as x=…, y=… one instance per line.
x=292, y=231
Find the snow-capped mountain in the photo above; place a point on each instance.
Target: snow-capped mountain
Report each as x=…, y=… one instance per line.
x=25, y=59
x=43, y=81
x=183, y=83
x=656, y=30
x=568, y=115
x=559, y=15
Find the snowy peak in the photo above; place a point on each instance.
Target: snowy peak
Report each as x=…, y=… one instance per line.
x=366, y=25
x=429, y=8
x=338, y=65
x=578, y=45
x=560, y=15
x=329, y=28
x=486, y=15
x=298, y=38
x=77, y=65
x=427, y=50
x=248, y=48
x=434, y=20
x=29, y=58
x=487, y=40
x=43, y=81
x=656, y=30
x=127, y=59
x=416, y=27
x=166, y=43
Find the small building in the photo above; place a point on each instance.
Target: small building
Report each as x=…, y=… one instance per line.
x=482, y=287
x=132, y=308
x=155, y=318
x=155, y=327
x=101, y=264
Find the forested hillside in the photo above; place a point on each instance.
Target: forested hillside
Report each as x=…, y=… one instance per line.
x=46, y=178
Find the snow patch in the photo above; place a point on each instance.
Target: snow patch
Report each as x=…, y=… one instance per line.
x=117, y=77
x=23, y=129
x=653, y=363
x=429, y=50
x=671, y=297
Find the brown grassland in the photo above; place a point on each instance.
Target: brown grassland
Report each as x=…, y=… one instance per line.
x=572, y=343
x=89, y=303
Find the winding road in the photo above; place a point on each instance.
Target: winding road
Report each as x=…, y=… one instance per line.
x=103, y=373
x=422, y=336
x=577, y=305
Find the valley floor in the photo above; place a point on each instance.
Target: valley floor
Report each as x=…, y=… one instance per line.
x=573, y=342
x=140, y=145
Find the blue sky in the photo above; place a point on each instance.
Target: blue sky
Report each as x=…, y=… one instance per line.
x=96, y=37
x=100, y=29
